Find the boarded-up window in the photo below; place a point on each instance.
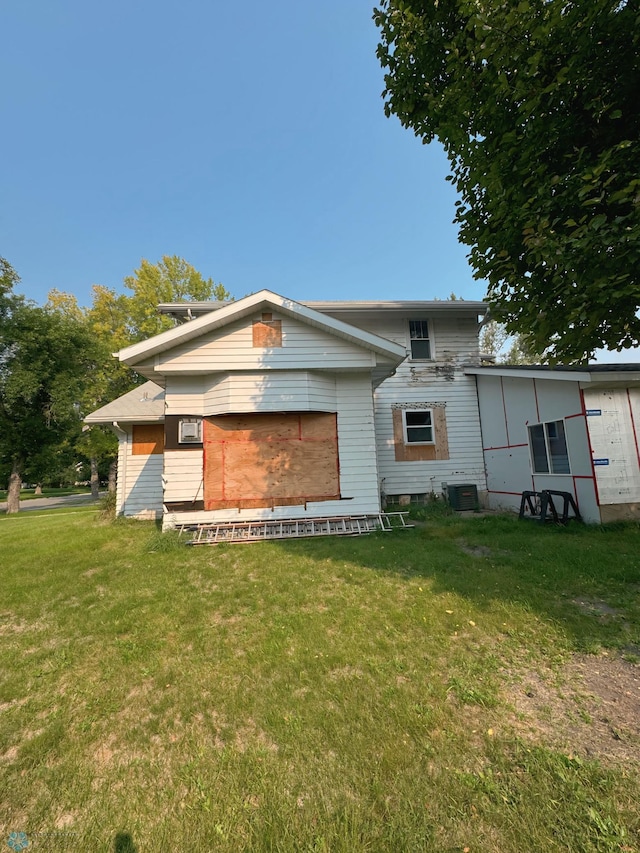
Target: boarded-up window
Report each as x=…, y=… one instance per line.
x=147, y=439
x=420, y=433
x=253, y=461
x=267, y=332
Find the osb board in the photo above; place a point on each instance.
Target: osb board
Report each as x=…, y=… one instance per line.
x=421, y=452
x=251, y=428
x=270, y=460
x=267, y=333
x=147, y=439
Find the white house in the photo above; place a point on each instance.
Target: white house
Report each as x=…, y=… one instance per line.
x=268, y=408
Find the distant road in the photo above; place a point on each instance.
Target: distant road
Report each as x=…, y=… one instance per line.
x=52, y=503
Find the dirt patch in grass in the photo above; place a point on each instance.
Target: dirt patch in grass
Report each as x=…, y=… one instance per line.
x=591, y=708
x=597, y=607
x=474, y=550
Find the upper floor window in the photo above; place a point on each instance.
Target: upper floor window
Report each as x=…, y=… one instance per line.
x=549, y=453
x=419, y=339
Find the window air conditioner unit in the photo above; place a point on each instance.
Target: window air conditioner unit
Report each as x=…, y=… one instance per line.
x=190, y=431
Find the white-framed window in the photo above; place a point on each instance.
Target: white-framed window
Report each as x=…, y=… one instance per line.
x=548, y=446
x=419, y=340
x=418, y=426
x=190, y=431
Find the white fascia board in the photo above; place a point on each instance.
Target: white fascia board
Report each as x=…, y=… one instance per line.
x=404, y=307
x=243, y=307
x=127, y=419
x=530, y=373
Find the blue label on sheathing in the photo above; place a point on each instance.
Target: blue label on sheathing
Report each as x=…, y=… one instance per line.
x=593, y=412
x=600, y=461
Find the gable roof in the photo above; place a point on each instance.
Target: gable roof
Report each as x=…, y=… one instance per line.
x=220, y=317
x=143, y=403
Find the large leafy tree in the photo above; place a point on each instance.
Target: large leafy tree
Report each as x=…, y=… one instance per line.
x=47, y=359
x=535, y=103
x=117, y=320
x=171, y=279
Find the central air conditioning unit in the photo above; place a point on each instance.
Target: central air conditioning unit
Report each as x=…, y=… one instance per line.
x=462, y=497
x=190, y=431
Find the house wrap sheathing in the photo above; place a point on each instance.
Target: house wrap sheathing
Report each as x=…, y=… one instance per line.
x=570, y=429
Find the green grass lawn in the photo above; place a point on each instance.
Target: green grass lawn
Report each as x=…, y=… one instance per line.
x=427, y=690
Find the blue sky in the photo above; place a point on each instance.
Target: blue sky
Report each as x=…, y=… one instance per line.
x=248, y=138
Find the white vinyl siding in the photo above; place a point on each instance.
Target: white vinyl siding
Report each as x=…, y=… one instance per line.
x=304, y=347
x=139, y=493
x=465, y=463
x=184, y=395
x=275, y=391
x=183, y=475
x=453, y=340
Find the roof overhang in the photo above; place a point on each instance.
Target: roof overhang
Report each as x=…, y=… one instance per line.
x=230, y=312
x=591, y=376
x=192, y=310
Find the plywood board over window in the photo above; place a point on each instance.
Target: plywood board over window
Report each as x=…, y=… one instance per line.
x=267, y=332
x=287, y=459
x=147, y=439
x=407, y=452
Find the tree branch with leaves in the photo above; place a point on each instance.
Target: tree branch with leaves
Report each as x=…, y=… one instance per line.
x=535, y=104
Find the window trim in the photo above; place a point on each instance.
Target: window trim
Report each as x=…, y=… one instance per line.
x=406, y=427
x=548, y=454
x=429, y=339
x=414, y=452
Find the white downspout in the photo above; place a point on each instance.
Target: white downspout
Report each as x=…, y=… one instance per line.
x=122, y=475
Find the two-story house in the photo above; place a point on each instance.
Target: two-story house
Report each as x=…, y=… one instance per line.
x=267, y=408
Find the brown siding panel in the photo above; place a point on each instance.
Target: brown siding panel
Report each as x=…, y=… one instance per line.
x=147, y=439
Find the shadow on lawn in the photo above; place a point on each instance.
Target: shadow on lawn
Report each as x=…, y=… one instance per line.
x=123, y=843
x=585, y=579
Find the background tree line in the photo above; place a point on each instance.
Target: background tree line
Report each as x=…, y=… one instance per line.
x=56, y=366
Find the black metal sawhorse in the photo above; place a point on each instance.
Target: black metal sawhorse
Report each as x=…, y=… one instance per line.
x=541, y=506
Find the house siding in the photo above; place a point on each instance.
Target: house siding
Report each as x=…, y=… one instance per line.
x=439, y=380
x=303, y=348
x=184, y=395
x=357, y=459
x=183, y=475
x=139, y=492
x=276, y=391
